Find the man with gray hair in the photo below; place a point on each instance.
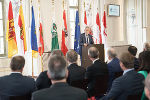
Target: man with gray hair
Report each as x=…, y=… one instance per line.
x=146, y=46
x=98, y=68
x=147, y=86
x=43, y=81
x=75, y=72
x=60, y=90
x=85, y=39
x=113, y=65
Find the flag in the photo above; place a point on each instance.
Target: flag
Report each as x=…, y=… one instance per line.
x=104, y=23
x=34, y=46
x=41, y=42
x=55, y=44
x=64, y=49
x=99, y=28
x=10, y=35
x=85, y=18
x=77, y=34
x=21, y=24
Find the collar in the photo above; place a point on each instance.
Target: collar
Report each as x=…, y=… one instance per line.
x=59, y=84
x=127, y=70
x=16, y=72
x=95, y=60
x=109, y=60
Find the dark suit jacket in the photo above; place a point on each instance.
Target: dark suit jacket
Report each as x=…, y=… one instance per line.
x=113, y=66
x=99, y=68
x=136, y=64
x=129, y=84
x=83, y=40
x=43, y=81
x=16, y=84
x=75, y=73
x=60, y=91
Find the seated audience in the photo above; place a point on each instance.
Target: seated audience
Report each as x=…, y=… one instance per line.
x=75, y=72
x=59, y=89
x=130, y=83
x=144, y=59
x=146, y=46
x=133, y=50
x=43, y=81
x=16, y=84
x=113, y=65
x=147, y=87
x=96, y=69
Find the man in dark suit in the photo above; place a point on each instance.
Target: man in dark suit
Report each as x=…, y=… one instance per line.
x=85, y=39
x=43, y=81
x=98, y=68
x=59, y=89
x=130, y=83
x=113, y=65
x=16, y=84
x=75, y=72
x=133, y=50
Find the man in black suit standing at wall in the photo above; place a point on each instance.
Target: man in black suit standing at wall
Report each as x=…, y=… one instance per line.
x=59, y=89
x=85, y=39
x=16, y=84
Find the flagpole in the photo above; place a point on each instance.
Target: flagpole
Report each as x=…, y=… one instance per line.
x=32, y=68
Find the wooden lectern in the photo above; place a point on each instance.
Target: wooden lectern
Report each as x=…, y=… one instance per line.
x=85, y=59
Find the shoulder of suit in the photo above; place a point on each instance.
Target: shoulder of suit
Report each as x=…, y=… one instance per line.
x=78, y=90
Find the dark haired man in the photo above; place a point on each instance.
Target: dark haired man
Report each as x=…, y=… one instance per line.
x=16, y=84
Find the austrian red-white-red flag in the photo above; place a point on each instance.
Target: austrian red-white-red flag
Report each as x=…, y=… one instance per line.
x=64, y=48
x=99, y=35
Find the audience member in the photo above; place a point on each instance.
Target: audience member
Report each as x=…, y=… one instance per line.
x=144, y=59
x=133, y=50
x=128, y=84
x=113, y=65
x=75, y=72
x=147, y=87
x=43, y=81
x=59, y=90
x=16, y=84
x=146, y=46
x=96, y=69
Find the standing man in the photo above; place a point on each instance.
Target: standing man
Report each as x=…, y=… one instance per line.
x=85, y=39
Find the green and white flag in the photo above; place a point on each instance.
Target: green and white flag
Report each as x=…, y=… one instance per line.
x=55, y=44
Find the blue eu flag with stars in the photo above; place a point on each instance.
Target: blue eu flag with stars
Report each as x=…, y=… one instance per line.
x=77, y=34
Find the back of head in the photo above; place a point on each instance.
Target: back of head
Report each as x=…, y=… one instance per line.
x=127, y=60
x=144, y=60
x=57, y=53
x=146, y=46
x=111, y=53
x=72, y=56
x=147, y=86
x=132, y=50
x=57, y=68
x=17, y=63
x=93, y=52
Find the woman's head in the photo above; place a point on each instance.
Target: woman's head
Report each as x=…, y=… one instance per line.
x=144, y=60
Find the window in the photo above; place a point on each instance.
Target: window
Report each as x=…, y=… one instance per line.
x=73, y=7
x=2, y=32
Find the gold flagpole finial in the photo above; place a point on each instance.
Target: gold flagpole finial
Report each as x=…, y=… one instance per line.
x=52, y=2
x=84, y=4
x=31, y=1
x=39, y=1
x=63, y=4
x=90, y=6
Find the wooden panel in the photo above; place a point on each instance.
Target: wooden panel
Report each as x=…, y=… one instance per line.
x=85, y=59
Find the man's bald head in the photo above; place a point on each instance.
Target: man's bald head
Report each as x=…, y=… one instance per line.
x=111, y=53
x=93, y=52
